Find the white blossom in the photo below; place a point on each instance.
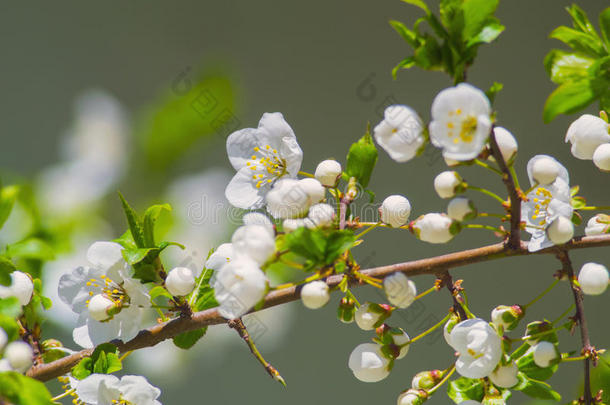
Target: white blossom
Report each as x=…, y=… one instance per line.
x=400, y=339
x=479, y=348
x=544, y=169
x=180, y=281
x=400, y=133
x=593, y=278
x=19, y=356
x=505, y=376
x=255, y=242
x=598, y=225
x=401, y=291
x=395, y=210
x=291, y=198
x=586, y=134
x=544, y=353
x=366, y=317
x=321, y=215
x=292, y=224
x=257, y=218
x=433, y=228
x=506, y=143
x=601, y=157
x=368, y=363
x=447, y=184
x=261, y=156
x=238, y=286
x=460, y=122
x=314, y=189
x=315, y=295
x=21, y=287
x=221, y=256
x=560, y=231
x=327, y=172
x=460, y=209
x=107, y=389
x=412, y=397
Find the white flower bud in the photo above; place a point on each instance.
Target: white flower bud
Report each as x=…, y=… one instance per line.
x=21, y=287
x=400, y=338
x=412, y=397
x=601, y=157
x=424, y=380
x=560, y=231
x=433, y=228
x=505, y=376
x=451, y=162
x=593, y=278
x=99, y=307
x=395, y=210
x=255, y=242
x=507, y=317
x=314, y=189
x=368, y=316
x=368, y=363
x=19, y=355
x=3, y=339
x=449, y=325
x=327, y=172
x=598, y=225
x=257, y=218
x=180, y=281
x=288, y=199
x=291, y=225
x=447, y=184
x=586, y=134
x=401, y=291
x=315, y=294
x=544, y=353
x=461, y=208
x=321, y=215
x=506, y=143
x=545, y=170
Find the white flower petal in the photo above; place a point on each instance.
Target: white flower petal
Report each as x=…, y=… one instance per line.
x=243, y=193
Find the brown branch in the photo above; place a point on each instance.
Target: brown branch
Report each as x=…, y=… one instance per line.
x=514, y=240
x=155, y=334
x=587, y=349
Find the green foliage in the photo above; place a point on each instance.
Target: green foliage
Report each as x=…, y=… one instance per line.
x=8, y=195
x=31, y=248
x=493, y=90
x=10, y=310
x=150, y=218
x=134, y=222
x=600, y=377
x=583, y=74
x=21, y=390
x=186, y=340
x=104, y=360
x=321, y=247
x=463, y=26
x=536, y=389
x=203, y=296
x=6, y=268
x=463, y=389
x=361, y=159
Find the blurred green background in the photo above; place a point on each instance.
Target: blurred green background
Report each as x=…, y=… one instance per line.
x=326, y=66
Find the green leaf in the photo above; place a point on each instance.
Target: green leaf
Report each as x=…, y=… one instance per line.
x=150, y=217
x=429, y=55
x=6, y=268
x=581, y=21
x=10, y=307
x=489, y=33
x=104, y=360
x=22, y=390
x=463, y=389
x=361, y=159
x=159, y=291
x=8, y=195
x=572, y=96
x=83, y=369
x=321, y=247
x=10, y=326
x=410, y=36
x=563, y=66
x=31, y=248
x=536, y=389
x=528, y=367
x=579, y=41
x=476, y=14
x=604, y=25
x=204, y=296
x=495, y=88
x=134, y=222
x=188, y=339
x=126, y=240
x=418, y=3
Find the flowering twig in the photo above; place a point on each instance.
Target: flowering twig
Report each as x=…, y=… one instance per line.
x=434, y=265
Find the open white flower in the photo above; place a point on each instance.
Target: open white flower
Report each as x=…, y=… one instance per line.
x=598, y=225
x=321, y=215
x=368, y=363
x=586, y=134
x=479, y=347
x=460, y=122
x=546, y=203
x=433, y=228
x=21, y=287
x=327, y=172
x=261, y=156
x=290, y=198
x=400, y=291
x=395, y=210
x=110, y=277
x=400, y=133
x=601, y=157
x=593, y=278
x=107, y=389
x=238, y=286
x=221, y=256
x=255, y=242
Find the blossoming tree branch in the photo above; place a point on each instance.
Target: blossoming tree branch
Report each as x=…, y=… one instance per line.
x=303, y=223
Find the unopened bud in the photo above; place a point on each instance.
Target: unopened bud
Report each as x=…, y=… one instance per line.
x=424, y=380
x=507, y=317
x=370, y=315
x=347, y=310
x=412, y=397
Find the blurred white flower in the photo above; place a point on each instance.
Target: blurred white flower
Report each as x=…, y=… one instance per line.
x=593, y=278
x=321, y=215
x=400, y=133
x=19, y=356
x=290, y=198
x=107, y=389
x=544, y=353
x=258, y=218
x=601, y=157
x=400, y=291
x=586, y=134
x=238, y=286
x=461, y=208
x=180, y=281
x=21, y=287
x=254, y=242
x=505, y=376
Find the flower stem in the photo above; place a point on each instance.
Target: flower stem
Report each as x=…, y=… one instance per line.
x=449, y=372
x=515, y=178
x=488, y=227
x=124, y=356
x=306, y=174
x=487, y=214
x=542, y=294
x=487, y=166
x=564, y=314
x=428, y=291
x=595, y=208
x=370, y=228
x=487, y=192
x=65, y=394
x=432, y=329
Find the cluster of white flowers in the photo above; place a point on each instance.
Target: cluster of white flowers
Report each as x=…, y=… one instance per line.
x=590, y=139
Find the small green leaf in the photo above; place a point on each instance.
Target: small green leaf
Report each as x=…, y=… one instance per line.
x=31, y=248
x=10, y=326
x=476, y=15
x=579, y=41
x=418, y=3
x=408, y=35
x=188, y=339
x=134, y=222
x=361, y=159
x=10, y=307
x=563, y=66
x=159, y=291
x=572, y=96
x=6, y=268
x=22, y=390
x=489, y=33
x=8, y=195
x=536, y=389
x=104, y=360
x=150, y=217
x=463, y=389
x=126, y=240
x=581, y=21
x=495, y=88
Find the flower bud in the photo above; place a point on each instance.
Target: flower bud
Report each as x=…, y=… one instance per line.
x=447, y=184
x=395, y=211
x=586, y=134
x=507, y=317
x=506, y=143
x=19, y=355
x=424, y=380
x=434, y=228
x=370, y=315
x=315, y=294
x=368, y=363
x=347, y=310
x=314, y=189
x=401, y=291
x=601, y=157
x=257, y=218
x=100, y=307
x=538, y=331
x=21, y=287
x=180, y=281
x=461, y=208
x=598, y=225
x=544, y=354
x=560, y=231
x=3, y=339
x=412, y=397
x=291, y=225
x=544, y=170
x=321, y=215
x=453, y=320
x=395, y=341
x=505, y=376
x=593, y=278
x=255, y=242
x=289, y=199
x=328, y=172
